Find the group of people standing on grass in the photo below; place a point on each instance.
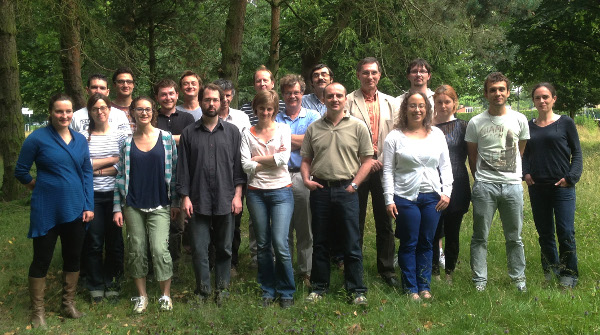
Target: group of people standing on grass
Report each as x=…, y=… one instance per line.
x=306, y=166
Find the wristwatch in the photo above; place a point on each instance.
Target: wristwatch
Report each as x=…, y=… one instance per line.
x=354, y=186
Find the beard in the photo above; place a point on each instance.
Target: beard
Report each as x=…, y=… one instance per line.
x=212, y=112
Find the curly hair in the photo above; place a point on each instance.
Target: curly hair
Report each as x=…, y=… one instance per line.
x=402, y=122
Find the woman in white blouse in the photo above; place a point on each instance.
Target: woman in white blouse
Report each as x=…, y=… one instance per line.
x=265, y=154
x=417, y=183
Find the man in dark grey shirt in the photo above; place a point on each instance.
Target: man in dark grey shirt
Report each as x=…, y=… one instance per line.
x=210, y=180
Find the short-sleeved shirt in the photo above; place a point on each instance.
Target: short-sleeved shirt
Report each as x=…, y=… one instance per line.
x=117, y=119
x=311, y=101
x=299, y=125
x=336, y=150
x=174, y=123
x=497, y=139
x=196, y=113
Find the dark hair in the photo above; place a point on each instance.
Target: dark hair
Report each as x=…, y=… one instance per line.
x=55, y=98
x=97, y=76
x=547, y=85
x=290, y=80
x=211, y=87
x=225, y=85
x=152, y=104
x=450, y=92
x=264, y=68
x=402, y=122
x=321, y=66
x=269, y=98
x=495, y=77
x=368, y=60
x=122, y=70
x=164, y=83
x=90, y=104
x=418, y=62
x=188, y=73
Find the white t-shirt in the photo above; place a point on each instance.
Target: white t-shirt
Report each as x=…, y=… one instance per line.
x=497, y=139
x=117, y=120
x=238, y=118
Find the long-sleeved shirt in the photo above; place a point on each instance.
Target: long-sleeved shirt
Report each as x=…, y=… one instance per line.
x=412, y=166
x=210, y=167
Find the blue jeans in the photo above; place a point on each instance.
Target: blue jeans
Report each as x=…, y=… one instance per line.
x=552, y=207
x=416, y=223
x=271, y=213
x=335, y=206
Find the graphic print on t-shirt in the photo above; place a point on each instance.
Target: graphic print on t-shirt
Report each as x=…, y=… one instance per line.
x=502, y=160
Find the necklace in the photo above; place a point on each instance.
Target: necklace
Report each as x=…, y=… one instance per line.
x=492, y=120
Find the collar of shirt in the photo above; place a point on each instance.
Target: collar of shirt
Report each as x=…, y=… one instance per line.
x=369, y=98
x=325, y=119
x=301, y=114
x=201, y=126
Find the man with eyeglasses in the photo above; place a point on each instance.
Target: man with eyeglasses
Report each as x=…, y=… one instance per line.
x=190, y=84
x=320, y=76
x=298, y=118
x=117, y=119
x=376, y=110
x=418, y=73
x=210, y=181
x=124, y=83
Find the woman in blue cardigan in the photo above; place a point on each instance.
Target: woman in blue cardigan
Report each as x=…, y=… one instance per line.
x=62, y=202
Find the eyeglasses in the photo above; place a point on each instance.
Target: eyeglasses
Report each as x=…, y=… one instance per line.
x=102, y=109
x=143, y=110
x=422, y=72
x=124, y=81
x=289, y=94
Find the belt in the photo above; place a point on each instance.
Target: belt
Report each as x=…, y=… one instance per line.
x=293, y=170
x=333, y=183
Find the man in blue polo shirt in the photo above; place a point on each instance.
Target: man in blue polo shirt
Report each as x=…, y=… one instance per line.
x=298, y=118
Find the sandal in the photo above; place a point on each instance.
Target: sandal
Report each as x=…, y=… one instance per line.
x=414, y=296
x=425, y=295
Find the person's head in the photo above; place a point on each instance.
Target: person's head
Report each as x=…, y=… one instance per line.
x=496, y=89
x=445, y=100
x=97, y=83
x=98, y=107
x=166, y=94
x=210, y=99
x=418, y=72
x=415, y=110
x=368, y=72
x=60, y=109
x=228, y=91
x=543, y=96
x=124, y=81
x=320, y=76
x=266, y=104
x=335, y=97
x=263, y=79
x=143, y=110
x=292, y=88
x=190, y=84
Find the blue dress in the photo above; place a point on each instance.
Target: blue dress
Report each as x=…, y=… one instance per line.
x=64, y=183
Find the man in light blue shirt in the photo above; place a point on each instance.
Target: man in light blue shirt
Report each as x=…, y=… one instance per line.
x=320, y=76
x=298, y=118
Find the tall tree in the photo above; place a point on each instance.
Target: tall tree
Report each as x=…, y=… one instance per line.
x=11, y=119
x=273, y=63
x=231, y=47
x=70, y=53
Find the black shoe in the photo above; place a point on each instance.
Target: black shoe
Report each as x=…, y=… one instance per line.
x=392, y=281
x=286, y=303
x=266, y=302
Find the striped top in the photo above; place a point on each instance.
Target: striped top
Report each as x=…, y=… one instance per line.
x=103, y=146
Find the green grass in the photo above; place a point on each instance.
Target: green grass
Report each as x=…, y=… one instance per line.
x=456, y=309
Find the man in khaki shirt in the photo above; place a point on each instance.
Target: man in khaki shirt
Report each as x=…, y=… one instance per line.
x=337, y=153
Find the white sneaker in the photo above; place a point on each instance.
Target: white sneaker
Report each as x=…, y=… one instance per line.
x=165, y=303
x=140, y=304
x=442, y=259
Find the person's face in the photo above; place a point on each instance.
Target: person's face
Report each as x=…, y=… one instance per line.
x=497, y=93
x=416, y=111
x=211, y=102
x=543, y=99
x=143, y=112
x=292, y=96
x=262, y=81
x=190, y=86
x=100, y=112
x=265, y=112
x=61, y=114
x=125, y=84
x=321, y=78
x=444, y=105
x=227, y=101
x=97, y=86
x=418, y=76
x=167, y=97
x=369, y=76
x=335, y=97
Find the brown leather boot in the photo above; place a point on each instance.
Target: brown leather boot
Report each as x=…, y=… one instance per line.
x=36, y=293
x=68, y=299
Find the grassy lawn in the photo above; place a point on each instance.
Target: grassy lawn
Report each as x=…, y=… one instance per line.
x=456, y=309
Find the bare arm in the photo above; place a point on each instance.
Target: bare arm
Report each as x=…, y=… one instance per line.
x=522, y=145
x=305, y=172
x=363, y=172
x=472, y=152
x=297, y=141
x=176, y=138
x=109, y=171
x=236, y=203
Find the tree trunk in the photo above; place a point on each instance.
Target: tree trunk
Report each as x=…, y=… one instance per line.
x=11, y=119
x=152, y=51
x=273, y=63
x=70, y=53
x=231, y=47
